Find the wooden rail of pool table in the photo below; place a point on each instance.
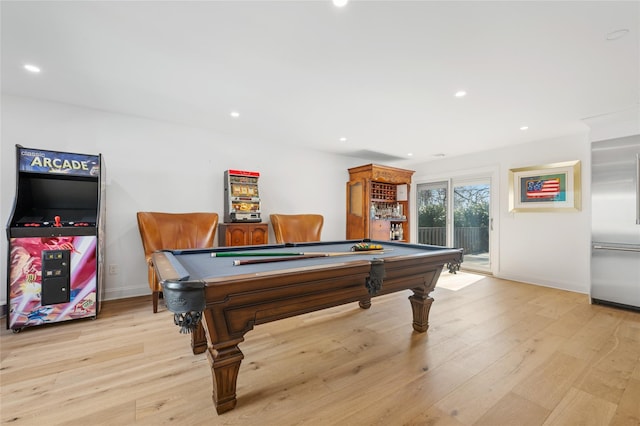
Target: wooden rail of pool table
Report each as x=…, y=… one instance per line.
x=234, y=306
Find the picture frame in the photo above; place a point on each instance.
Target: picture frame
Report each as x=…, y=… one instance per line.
x=552, y=187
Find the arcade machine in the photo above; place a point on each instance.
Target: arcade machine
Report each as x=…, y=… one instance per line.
x=241, y=196
x=56, y=238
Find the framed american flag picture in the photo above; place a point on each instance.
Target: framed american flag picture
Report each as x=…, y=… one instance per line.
x=545, y=188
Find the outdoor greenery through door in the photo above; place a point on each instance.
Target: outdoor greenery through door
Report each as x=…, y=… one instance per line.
x=461, y=220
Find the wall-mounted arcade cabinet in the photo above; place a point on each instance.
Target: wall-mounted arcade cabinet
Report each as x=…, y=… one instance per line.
x=56, y=238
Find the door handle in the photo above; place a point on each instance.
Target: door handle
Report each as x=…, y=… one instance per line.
x=638, y=189
x=617, y=248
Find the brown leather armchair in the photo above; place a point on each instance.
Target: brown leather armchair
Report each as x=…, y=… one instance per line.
x=297, y=228
x=173, y=231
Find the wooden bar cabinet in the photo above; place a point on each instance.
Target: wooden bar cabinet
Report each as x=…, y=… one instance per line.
x=378, y=203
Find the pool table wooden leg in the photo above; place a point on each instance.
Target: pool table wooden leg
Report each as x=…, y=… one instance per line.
x=225, y=364
x=420, y=305
x=365, y=303
x=198, y=339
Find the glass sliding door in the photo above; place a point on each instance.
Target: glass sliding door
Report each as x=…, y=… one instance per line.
x=471, y=222
x=433, y=205
x=457, y=213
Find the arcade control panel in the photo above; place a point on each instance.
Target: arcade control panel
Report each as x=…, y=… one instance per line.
x=52, y=225
x=57, y=222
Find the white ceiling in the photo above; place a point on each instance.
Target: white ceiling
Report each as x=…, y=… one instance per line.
x=381, y=73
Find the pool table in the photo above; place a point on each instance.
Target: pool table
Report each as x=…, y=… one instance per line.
x=219, y=300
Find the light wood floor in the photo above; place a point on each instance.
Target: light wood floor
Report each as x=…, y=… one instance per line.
x=497, y=353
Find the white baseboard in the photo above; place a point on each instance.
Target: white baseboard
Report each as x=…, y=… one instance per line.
x=542, y=282
x=125, y=293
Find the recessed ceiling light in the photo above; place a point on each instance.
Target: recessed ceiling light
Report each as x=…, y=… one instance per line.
x=343, y=139
x=32, y=68
x=410, y=154
x=340, y=3
x=524, y=127
x=617, y=34
x=235, y=114
x=460, y=94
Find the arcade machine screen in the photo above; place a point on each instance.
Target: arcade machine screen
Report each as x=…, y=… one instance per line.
x=75, y=201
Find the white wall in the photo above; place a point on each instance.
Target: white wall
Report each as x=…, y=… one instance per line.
x=550, y=249
x=156, y=166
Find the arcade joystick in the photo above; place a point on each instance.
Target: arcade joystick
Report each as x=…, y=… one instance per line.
x=57, y=221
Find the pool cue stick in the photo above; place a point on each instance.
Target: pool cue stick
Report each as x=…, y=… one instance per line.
x=276, y=259
x=266, y=253
x=248, y=253
x=309, y=255
x=349, y=253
